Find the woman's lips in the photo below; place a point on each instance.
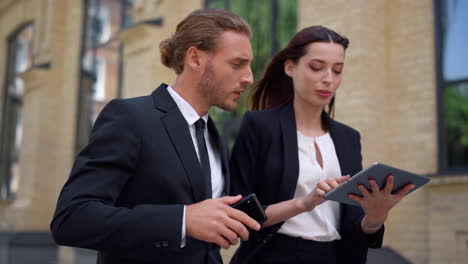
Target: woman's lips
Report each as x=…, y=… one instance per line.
x=324, y=93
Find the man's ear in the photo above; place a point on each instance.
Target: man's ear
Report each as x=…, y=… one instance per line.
x=195, y=58
x=288, y=67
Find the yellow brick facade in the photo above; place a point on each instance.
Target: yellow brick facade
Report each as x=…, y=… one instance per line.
x=388, y=94
x=49, y=107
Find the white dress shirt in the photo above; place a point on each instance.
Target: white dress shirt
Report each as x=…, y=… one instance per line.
x=322, y=223
x=191, y=116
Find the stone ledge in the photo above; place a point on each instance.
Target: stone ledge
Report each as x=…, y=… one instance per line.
x=36, y=77
x=28, y=239
x=140, y=37
x=452, y=179
x=5, y=4
x=6, y=202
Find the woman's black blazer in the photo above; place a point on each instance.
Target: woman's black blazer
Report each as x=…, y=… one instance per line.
x=265, y=162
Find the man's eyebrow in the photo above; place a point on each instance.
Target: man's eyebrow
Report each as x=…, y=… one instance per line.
x=242, y=60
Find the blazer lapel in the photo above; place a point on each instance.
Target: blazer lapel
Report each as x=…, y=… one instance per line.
x=178, y=131
x=291, y=155
x=223, y=152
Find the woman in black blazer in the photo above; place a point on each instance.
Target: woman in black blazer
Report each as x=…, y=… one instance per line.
x=292, y=152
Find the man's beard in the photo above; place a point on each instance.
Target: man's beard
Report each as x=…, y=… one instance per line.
x=209, y=88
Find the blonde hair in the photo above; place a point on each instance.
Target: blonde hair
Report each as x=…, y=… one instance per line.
x=200, y=29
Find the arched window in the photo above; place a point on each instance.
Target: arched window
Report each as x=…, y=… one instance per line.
x=19, y=60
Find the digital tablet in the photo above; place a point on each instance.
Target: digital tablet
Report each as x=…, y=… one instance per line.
x=378, y=172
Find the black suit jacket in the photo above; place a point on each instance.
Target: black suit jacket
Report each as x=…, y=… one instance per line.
x=127, y=188
x=265, y=161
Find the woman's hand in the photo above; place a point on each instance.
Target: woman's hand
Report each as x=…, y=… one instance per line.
x=284, y=210
x=315, y=197
x=377, y=203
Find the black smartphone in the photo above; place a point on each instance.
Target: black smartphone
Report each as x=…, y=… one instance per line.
x=251, y=206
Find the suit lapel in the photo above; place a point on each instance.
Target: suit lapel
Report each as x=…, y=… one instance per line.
x=178, y=131
x=222, y=150
x=291, y=158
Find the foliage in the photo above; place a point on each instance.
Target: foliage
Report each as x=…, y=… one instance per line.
x=259, y=15
x=456, y=123
x=456, y=114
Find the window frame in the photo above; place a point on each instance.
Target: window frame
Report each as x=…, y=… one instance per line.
x=83, y=96
x=441, y=85
x=7, y=121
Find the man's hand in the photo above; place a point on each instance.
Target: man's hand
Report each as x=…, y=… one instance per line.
x=214, y=221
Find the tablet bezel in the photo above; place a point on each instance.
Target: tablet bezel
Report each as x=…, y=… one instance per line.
x=378, y=172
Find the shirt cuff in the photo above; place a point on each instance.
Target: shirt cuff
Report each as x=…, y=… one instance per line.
x=182, y=241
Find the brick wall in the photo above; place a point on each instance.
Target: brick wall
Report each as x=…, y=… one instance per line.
x=388, y=94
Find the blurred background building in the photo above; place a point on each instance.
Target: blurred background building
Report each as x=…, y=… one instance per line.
x=405, y=89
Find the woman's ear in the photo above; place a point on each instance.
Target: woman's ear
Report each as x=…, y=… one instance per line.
x=289, y=68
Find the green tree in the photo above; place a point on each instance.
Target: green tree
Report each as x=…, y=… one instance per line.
x=273, y=24
x=456, y=123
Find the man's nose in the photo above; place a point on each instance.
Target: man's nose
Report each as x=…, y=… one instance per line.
x=248, y=77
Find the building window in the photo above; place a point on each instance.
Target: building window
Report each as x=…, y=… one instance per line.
x=273, y=24
x=19, y=60
x=452, y=39
x=101, y=60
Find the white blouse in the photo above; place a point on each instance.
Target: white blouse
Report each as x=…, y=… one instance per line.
x=322, y=223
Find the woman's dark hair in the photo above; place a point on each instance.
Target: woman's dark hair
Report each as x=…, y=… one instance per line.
x=276, y=88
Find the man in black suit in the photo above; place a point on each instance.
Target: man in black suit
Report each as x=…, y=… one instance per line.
x=149, y=186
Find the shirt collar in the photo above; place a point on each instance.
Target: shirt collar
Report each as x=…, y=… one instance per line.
x=190, y=115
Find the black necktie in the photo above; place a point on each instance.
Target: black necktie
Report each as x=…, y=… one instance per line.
x=203, y=154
